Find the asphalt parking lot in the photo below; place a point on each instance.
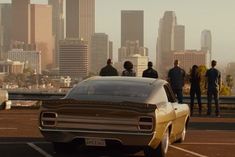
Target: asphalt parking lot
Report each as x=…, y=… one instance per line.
x=206, y=137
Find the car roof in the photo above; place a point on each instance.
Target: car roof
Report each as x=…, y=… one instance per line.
x=120, y=79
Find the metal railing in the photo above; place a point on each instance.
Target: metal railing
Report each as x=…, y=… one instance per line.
x=47, y=95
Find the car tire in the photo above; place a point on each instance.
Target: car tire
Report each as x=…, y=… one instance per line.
x=182, y=136
x=161, y=150
x=60, y=147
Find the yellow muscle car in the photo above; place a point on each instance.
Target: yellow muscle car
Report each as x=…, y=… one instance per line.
x=116, y=112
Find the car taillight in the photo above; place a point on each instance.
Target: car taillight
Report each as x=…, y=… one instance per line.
x=48, y=119
x=145, y=123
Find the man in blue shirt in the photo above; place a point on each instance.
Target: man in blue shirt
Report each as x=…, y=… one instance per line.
x=176, y=77
x=213, y=85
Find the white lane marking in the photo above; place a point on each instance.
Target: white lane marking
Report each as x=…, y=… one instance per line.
x=8, y=128
x=38, y=149
x=188, y=151
x=198, y=143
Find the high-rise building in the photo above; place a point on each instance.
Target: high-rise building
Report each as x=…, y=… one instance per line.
x=188, y=58
x=99, y=51
x=73, y=58
x=206, y=41
x=5, y=29
x=31, y=59
x=170, y=37
x=179, y=38
x=80, y=19
x=41, y=32
x=21, y=26
x=32, y=25
x=58, y=25
x=131, y=48
x=132, y=26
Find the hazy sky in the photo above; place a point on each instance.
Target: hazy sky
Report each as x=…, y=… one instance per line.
x=215, y=15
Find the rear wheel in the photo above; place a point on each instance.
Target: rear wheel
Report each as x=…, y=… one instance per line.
x=161, y=150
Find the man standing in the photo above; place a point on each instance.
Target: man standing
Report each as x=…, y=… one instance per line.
x=150, y=72
x=176, y=77
x=213, y=85
x=108, y=70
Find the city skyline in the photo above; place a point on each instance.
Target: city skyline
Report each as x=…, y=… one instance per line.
x=196, y=16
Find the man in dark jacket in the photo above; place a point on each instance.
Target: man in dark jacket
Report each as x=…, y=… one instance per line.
x=213, y=85
x=176, y=77
x=108, y=70
x=150, y=72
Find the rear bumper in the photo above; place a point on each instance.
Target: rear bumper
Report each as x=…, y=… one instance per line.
x=125, y=138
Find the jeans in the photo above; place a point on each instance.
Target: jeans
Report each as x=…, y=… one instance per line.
x=179, y=94
x=215, y=93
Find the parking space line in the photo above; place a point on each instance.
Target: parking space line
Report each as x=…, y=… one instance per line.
x=38, y=149
x=188, y=151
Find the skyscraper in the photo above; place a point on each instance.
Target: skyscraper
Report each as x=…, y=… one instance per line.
x=58, y=24
x=165, y=41
x=206, y=41
x=5, y=29
x=73, y=58
x=41, y=32
x=32, y=25
x=132, y=26
x=170, y=37
x=99, y=51
x=80, y=19
x=179, y=38
x=20, y=27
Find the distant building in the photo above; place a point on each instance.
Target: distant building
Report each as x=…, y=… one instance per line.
x=11, y=67
x=21, y=25
x=99, y=51
x=73, y=60
x=32, y=25
x=139, y=63
x=5, y=29
x=111, y=50
x=132, y=26
x=31, y=59
x=165, y=42
x=188, y=58
x=58, y=25
x=179, y=38
x=131, y=48
x=206, y=41
x=80, y=20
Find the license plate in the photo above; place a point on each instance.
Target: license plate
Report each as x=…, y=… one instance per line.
x=95, y=142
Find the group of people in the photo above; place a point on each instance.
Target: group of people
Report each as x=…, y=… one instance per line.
x=176, y=78
x=109, y=70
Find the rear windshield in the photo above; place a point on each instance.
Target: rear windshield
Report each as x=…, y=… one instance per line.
x=140, y=90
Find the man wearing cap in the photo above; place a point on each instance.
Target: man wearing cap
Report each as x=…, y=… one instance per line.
x=108, y=70
x=150, y=72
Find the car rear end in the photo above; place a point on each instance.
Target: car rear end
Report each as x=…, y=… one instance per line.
x=97, y=123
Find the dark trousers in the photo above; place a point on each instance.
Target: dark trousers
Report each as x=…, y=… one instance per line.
x=195, y=91
x=179, y=95
x=215, y=93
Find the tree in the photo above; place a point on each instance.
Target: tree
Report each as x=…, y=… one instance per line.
x=229, y=81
